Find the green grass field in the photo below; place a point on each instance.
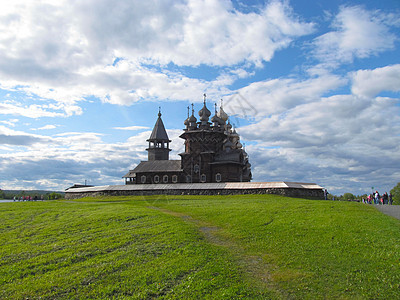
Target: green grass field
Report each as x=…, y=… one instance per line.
x=198, y=247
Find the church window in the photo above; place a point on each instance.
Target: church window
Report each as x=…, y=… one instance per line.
x=156, y=179
x=188, y=179
x=143, y=179
x=218, y=177
x=174, y=178
x=165, y=178
x=203, y=178
x=196, y=168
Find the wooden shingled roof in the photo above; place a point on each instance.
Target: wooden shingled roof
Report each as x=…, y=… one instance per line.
x=156, y=166
x=159, y=133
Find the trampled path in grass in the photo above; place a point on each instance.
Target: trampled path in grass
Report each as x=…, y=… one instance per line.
x=198, y=247
x=253, y=265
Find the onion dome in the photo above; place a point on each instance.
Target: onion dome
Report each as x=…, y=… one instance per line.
x=215, y=119
x=192, y=120
x=228, y=126
x=186, y=122
x=228, y=144
x=222, y=114
x=204, y=113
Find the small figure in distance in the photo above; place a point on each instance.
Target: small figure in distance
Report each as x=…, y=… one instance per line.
x=326, y=194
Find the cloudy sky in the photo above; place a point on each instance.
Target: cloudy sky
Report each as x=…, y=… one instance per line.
x=313, y=87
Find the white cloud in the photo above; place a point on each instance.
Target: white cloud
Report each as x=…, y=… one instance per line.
x=72, y=157
x=369, y=83
x=358, y=33
x=133, y=128
x=20, y=138
x=329, y=140
x=11, y=122
x=46, y=127
x=262, y=98
x=38, y=110
x=65, y=50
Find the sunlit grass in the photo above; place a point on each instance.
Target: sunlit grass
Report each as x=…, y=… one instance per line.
x=212, y=247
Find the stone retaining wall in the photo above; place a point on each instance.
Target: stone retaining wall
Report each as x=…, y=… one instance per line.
x=289, y=192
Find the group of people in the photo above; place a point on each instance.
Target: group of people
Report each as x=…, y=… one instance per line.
x=376, y=198
x=28, y=198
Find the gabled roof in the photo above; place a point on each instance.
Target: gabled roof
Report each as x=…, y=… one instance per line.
x=159, y=133
x=156, y=166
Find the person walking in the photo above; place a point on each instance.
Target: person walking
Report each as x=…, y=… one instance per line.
x=326, y=194
x=390, y=199
x=376, y=201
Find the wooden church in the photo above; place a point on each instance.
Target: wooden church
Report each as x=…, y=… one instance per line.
x=213, y=153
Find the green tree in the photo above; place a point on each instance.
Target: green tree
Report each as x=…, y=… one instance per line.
x=396, y=193
x=330, y=197
x=348, y=196
x=55, y=196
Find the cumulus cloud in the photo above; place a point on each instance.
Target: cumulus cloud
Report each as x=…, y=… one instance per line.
x=34, y=111
x=65, y=50
x=72, y=157
x=66, y=159
x=18, y=138
x=340, y=134
x=190, y=32
x=369, y=83
x=262, y=98
x=358, y=33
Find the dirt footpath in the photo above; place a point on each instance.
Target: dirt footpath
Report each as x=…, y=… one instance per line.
x=390, y=210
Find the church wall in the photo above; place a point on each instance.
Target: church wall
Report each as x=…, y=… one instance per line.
x=150, y=177
x=158, y=154
x=229, y=172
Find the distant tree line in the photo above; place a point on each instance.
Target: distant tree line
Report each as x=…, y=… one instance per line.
x=47, y=195
x=351, y=197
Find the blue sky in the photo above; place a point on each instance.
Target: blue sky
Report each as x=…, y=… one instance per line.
x=313, y=87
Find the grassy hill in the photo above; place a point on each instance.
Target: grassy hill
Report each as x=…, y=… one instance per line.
x=197, y=247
